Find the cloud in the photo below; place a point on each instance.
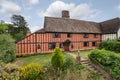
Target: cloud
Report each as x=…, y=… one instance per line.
x=26, y=17
x=80, y=11
x=34, y=28
x=118, y=7
x=32, y=2
x=9, y=8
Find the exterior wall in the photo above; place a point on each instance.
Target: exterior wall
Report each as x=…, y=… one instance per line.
x=119, y=33
x=109, y=36
x=29, y=44
x=26, y=45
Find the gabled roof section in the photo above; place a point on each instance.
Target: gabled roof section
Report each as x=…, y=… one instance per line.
x=110, y=26
x=40, y=30
x=70, y=25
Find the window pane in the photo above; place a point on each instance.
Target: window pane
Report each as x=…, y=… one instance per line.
x=95, y=35
x=69, y=35
x=56, y=35
x=38, y=46
x=51, y=45
x=85, y=35
x=61, y=45
x=94, y=43
x=86, y=44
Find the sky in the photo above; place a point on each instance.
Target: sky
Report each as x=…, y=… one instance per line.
x=34, y=11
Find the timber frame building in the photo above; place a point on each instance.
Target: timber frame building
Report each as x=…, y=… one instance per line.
x=68, y=34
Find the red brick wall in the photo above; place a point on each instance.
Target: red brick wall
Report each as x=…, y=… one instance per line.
x=29, y=44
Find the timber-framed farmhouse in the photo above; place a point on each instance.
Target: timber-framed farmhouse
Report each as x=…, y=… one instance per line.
x=68, y=34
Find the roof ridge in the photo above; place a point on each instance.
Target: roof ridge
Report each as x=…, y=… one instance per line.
x=70, y=19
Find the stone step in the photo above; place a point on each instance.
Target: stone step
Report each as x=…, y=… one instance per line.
x=94, y=68
x=84, y=60
x=90, y=66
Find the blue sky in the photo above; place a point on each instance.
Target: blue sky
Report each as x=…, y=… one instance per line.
x=35, y=10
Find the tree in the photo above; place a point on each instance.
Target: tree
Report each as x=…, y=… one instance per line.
x=19, y=21
x=57, y=59
x=3, y=27
x=7, y=48
x=18, y=36
x=20, y=27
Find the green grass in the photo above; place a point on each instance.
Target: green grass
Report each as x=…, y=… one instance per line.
x=43, y=59
x=83, y=54
x=40, y=59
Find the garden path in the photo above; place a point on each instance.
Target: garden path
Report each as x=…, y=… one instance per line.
x=74, y=55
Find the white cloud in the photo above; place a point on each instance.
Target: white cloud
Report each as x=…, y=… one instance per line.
x=33, y=1
x=34, y=28
x=118, y=7
x=8, y=22
x=9, y=8
x=80, y=11
x=26, y=17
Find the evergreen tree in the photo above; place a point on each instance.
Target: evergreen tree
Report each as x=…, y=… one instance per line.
x=20, y=27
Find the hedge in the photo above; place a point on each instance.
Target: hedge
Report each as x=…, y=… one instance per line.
x=111, y=45
x=109, y=60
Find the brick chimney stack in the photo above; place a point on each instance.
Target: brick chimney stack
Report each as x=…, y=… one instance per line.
x=65, y=14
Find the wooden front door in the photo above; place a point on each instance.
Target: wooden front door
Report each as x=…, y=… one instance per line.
x=66, y=47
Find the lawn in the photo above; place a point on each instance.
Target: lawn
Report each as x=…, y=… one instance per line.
x=83, y=54
x=40, y=59
x=43, y=59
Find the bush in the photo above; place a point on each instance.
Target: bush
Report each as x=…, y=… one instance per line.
x=9, y=72
x=69, y=61
x=111, y=45
x=57, y=59
x=31, y=71
x=7, y=48
x=75, y=72
x=109, y=60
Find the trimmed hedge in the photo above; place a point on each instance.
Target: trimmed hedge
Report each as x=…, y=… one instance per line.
x=111, y=45
x=109, y=60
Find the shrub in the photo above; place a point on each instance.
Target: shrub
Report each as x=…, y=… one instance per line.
x=7, y=48
x=57, y=59
x=31, y=71
x=111, y=45
x=77, y=71
x=109, y=60
x=69, y=61
x=9, y=72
